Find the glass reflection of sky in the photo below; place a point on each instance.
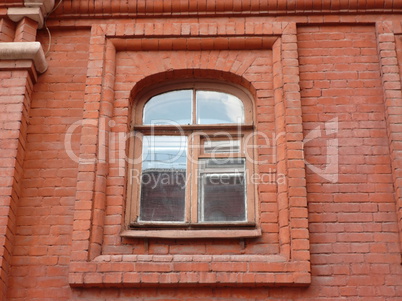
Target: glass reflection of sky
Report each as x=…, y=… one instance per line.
x=167, y=107
x=216, y=107
x=164, y=152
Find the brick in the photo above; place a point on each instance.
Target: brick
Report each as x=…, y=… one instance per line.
x=352, y=223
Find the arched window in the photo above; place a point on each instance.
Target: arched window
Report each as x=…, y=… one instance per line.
x=192, y=157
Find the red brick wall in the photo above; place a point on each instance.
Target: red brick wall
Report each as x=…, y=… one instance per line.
x=353, y=224
x=100, y=256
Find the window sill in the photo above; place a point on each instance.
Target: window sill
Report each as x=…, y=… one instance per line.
x=188, y=234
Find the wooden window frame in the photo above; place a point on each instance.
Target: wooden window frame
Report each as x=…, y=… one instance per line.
x=191, y=227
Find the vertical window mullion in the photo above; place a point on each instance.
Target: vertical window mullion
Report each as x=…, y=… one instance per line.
x=193, y=175
x=189, y=176
x=195, y=152
x=248, y=142
x=194, y=108
x=135, y=165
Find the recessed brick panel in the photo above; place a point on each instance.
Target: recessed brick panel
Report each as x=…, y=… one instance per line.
x=121, y=66
x=353, y=224
x=253, y=66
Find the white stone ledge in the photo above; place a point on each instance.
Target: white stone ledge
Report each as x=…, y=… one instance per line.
x=24, y=51
x=16, y=14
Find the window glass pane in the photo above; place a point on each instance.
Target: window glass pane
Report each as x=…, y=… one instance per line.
x=163, y=179
x=217, y=107
x=221, y=146
x=169, y=108
x=222, y=195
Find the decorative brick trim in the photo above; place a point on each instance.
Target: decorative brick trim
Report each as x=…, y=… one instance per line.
x=145, y=270
x=390, y=71
x=293, y=201
x=89, y=267
x=26, y=31
x=219, y=7
x=7, y=30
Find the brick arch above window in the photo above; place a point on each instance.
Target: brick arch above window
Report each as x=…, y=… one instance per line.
x=183, y=76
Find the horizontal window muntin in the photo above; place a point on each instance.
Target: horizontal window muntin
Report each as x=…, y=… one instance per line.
x=218, y=146
x=229, y=144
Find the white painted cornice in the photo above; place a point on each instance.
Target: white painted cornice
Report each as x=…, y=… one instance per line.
x=36, y=10
x=45, y=5
x=24, y=51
